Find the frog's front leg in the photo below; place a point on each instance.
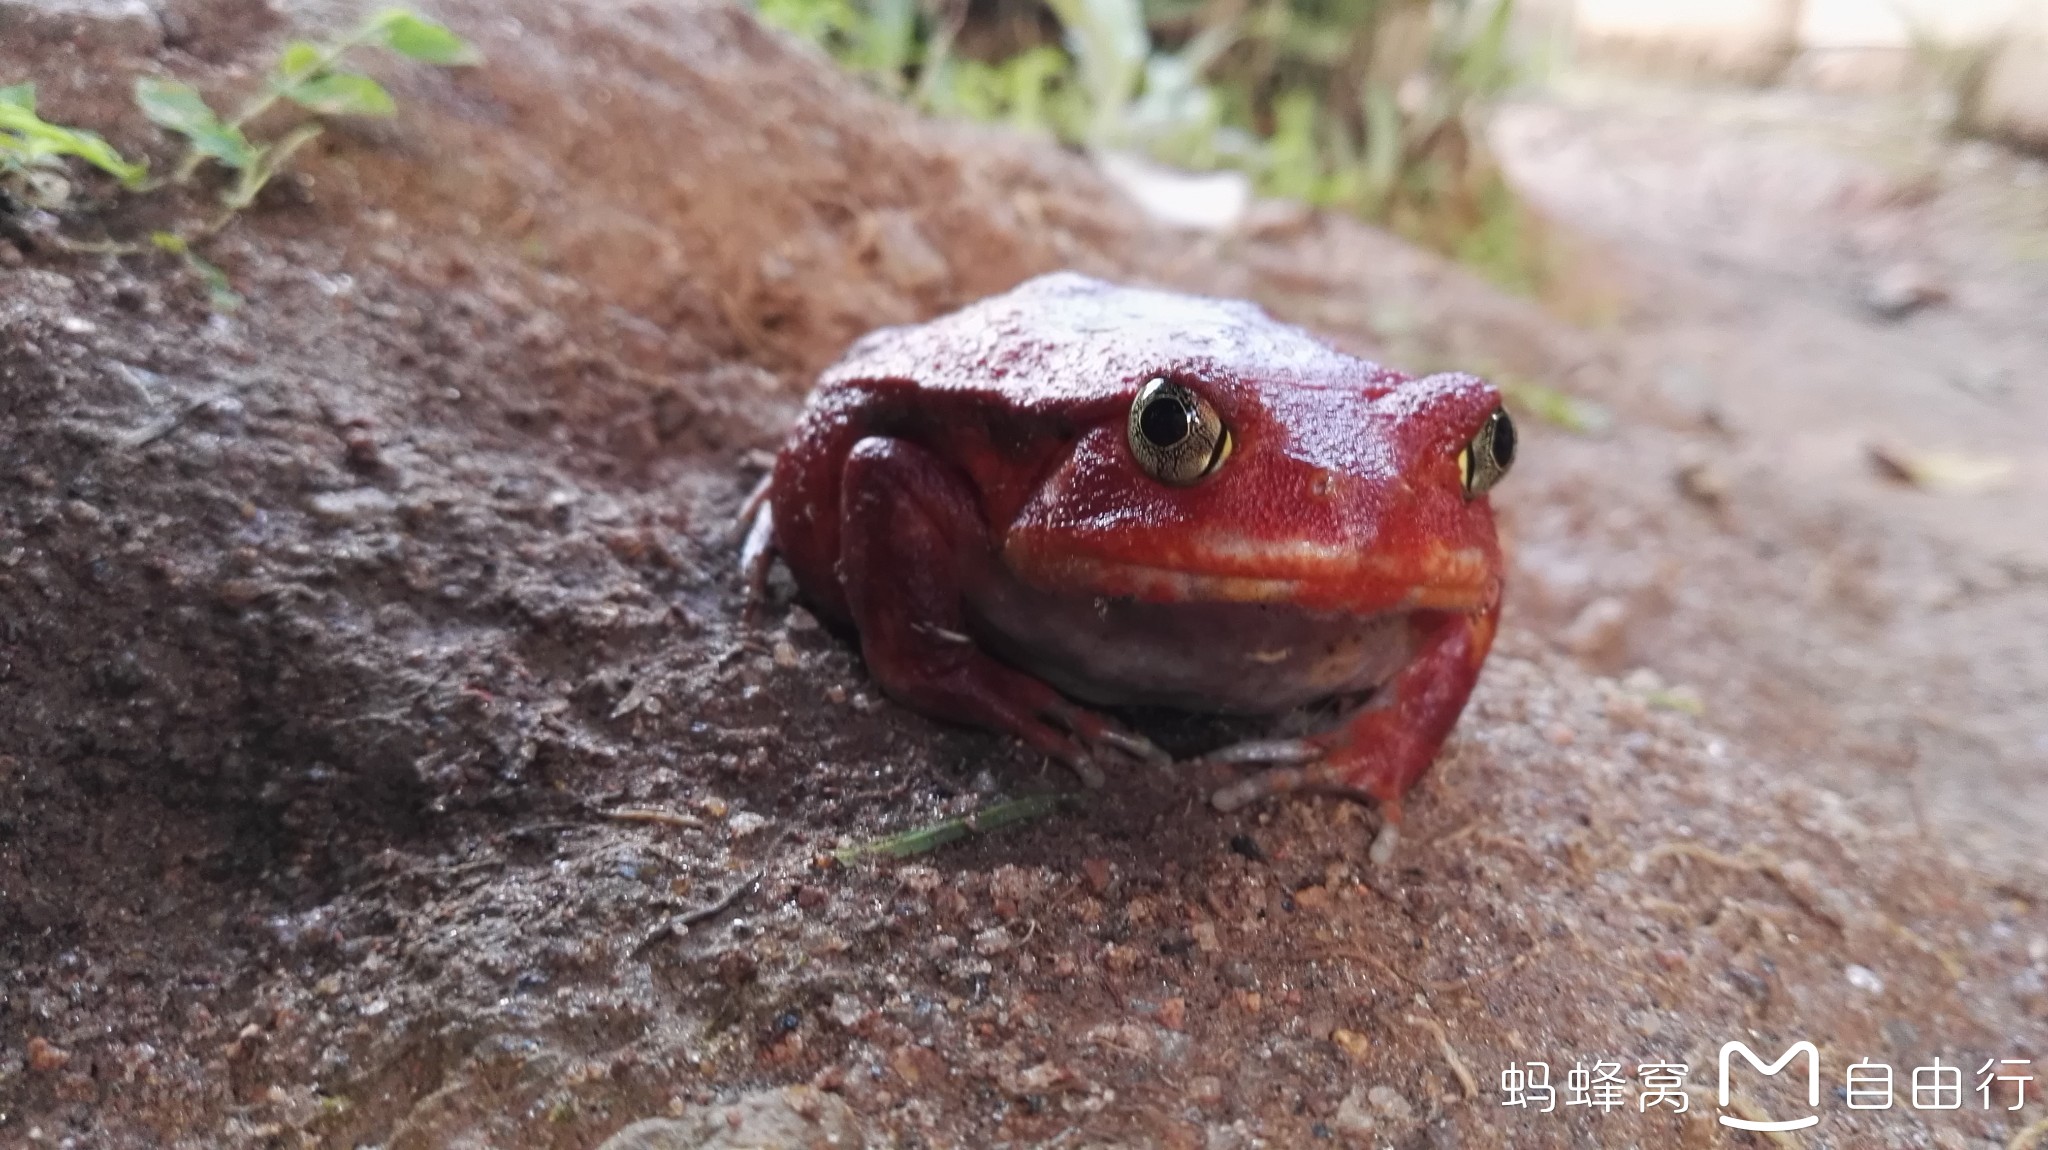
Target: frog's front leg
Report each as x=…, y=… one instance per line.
x=1379, y=751
x=910, y=537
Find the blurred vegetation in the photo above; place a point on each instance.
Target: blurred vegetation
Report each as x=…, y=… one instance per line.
x=1365, y=106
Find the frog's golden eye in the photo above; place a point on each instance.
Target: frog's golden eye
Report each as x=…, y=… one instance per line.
x=1486, y=459
x=1175, y=435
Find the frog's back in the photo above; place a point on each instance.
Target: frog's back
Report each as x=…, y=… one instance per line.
x=1065, y=339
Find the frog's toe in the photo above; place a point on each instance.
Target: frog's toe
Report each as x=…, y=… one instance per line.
x=757, y=555
x=1388, y=837
x=1269, y=752
x=1292, y=765
x=1276, y=781
x=1102, y=734
x=1050, y=740
x=1137, y=746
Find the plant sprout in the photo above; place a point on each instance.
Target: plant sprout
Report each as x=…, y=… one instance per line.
x=309, y=75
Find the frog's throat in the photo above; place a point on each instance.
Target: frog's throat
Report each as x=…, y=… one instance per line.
x=1458, y=580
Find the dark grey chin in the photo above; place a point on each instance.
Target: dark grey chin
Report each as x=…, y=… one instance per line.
x=1231, y=658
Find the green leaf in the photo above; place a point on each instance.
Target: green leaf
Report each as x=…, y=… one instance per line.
x=342, y=94
x=179, y=108
x=300, y=60
x=34, y=138
x=419, y=38
x=171, y=242
x=21, y=96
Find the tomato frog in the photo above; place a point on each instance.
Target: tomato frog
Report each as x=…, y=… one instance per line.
x=1078, y=495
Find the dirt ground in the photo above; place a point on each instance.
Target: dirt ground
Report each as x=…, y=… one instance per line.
x=338, y=634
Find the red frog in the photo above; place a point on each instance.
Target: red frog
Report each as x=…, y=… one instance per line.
x=1080, y=495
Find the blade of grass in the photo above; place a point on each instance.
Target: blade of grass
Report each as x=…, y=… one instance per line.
x=925, y=839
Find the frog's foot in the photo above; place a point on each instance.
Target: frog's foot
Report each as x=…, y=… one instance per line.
x=757, y=552
x=1308, y=768
x=1379, y=750
x=1305, y=772
x=1291, y=765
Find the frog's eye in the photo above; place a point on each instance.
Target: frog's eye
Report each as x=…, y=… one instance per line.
x=1175, y=435
x=1486, y=459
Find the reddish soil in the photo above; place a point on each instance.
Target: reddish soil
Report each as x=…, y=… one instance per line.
x=337, y=634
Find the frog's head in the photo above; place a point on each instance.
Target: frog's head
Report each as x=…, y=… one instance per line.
x=1231, y=458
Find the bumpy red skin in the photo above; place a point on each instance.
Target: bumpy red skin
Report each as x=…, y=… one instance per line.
x=992, y=443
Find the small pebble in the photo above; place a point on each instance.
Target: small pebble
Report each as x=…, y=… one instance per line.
x=1355, y=1045
x=238, y=592
x=1703, y=482
x=352, y=506
x=363, y=452
x=1599, y=629
x=1097, y=872
x=1902, y=289
x=45, y=1057
x=1354, y=1115
x=1173, y=1013
x=1388, y=1101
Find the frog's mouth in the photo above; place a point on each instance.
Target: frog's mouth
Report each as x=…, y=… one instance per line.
x=1248, y=655
x=1302, y=576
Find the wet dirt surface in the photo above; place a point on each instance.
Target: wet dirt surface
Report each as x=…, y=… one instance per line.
x=386, y=761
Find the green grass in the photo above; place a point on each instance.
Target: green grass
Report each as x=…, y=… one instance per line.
x=1362, y=106
x=910, y=844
